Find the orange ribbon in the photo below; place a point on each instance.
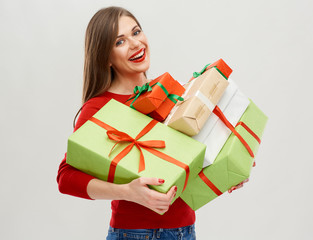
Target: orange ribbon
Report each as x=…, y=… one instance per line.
x=249, y=130
x=209, y=183
x=221, y=116
x=119, y=137
x=218, y=112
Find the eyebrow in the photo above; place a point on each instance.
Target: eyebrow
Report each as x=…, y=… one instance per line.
x=122, y=35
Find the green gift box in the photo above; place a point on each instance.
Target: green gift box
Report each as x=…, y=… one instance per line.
x=232, y=165
x=92, y=151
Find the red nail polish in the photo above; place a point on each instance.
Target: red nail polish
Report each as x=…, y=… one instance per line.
x=161, y=180
x=175, y=189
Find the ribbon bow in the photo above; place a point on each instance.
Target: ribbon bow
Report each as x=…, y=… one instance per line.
x=197, y=74
x=141, y=89
x=206, y=67
x=147, y=145
x=138, y=90
x=120, y=137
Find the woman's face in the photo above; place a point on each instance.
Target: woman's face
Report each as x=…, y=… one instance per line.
x=130, y=54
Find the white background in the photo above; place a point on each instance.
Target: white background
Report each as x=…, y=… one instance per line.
x=269, y=45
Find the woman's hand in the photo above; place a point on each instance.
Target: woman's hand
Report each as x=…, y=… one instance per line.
x=136, y=191
x=240, y=185
x=139, y=192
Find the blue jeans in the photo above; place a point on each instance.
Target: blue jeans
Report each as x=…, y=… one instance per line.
x=184, y=233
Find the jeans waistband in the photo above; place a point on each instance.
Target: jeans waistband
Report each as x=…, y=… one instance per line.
x=154, y=232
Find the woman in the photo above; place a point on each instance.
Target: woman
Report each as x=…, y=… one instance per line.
x=117, y=56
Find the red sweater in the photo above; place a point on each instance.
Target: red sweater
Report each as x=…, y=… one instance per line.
x=125, y=214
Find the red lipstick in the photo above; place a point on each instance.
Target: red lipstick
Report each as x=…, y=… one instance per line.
x=140, y=59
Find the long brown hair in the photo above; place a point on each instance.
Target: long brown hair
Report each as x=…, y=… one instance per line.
x=100, y=38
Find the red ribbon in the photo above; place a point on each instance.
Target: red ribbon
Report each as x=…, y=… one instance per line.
x=221, y=116
x=218, y=112
x=249, y=130
x=209, y=183
x=119, y=137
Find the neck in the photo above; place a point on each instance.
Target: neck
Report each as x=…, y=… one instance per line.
x=126, y=84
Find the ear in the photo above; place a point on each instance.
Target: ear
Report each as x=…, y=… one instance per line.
x=110, y=63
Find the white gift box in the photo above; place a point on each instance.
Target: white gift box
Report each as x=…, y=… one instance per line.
x=214, y=132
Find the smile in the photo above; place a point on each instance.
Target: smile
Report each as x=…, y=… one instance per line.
x=138, y=56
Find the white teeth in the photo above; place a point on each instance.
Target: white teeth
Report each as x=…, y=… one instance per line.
x=138, y=55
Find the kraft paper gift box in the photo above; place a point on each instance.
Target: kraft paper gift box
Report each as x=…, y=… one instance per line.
x=201, y=96
x=232, y=165
x=220, y=66
x=214, y=133
x=151, y=96
x=90, y=149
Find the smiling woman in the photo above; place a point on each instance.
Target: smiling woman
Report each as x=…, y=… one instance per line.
x=130, y=56
x=117, y=56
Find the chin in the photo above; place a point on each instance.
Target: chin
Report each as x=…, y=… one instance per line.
x=144, y=67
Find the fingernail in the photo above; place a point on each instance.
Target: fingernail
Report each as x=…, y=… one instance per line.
x=161, y=180
x=254, y=164
x=175, y=189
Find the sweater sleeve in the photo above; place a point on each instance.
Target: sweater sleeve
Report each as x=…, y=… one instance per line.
x=71, y=180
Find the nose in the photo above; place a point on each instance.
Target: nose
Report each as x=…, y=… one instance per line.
x=134, y=43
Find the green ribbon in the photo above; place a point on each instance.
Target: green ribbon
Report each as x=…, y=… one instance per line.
x=197, y=74
x=144, y=88
x=175, y=98
x=138, y=90
x=162, y=87
x=147, y=88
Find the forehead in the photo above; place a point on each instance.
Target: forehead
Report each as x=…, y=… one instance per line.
x=126, y=24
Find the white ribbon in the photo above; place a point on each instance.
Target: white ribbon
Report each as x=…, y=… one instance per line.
x=205, y=100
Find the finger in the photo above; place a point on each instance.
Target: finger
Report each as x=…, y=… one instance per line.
x=174, y=194
x=169, y=195
x=159, y=211
x=245, y=181
x=239, y=186
x=151, y=181
x=162, y=199
x=172, y=191
x=162, y=210
x=158, y=198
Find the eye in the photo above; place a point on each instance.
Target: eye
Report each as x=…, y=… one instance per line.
x=137, y=32
x=119, y=42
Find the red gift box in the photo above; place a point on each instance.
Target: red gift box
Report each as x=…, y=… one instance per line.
x=157, y=97
x=220, y=66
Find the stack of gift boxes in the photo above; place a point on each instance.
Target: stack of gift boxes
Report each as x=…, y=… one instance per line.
x=201, y=137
